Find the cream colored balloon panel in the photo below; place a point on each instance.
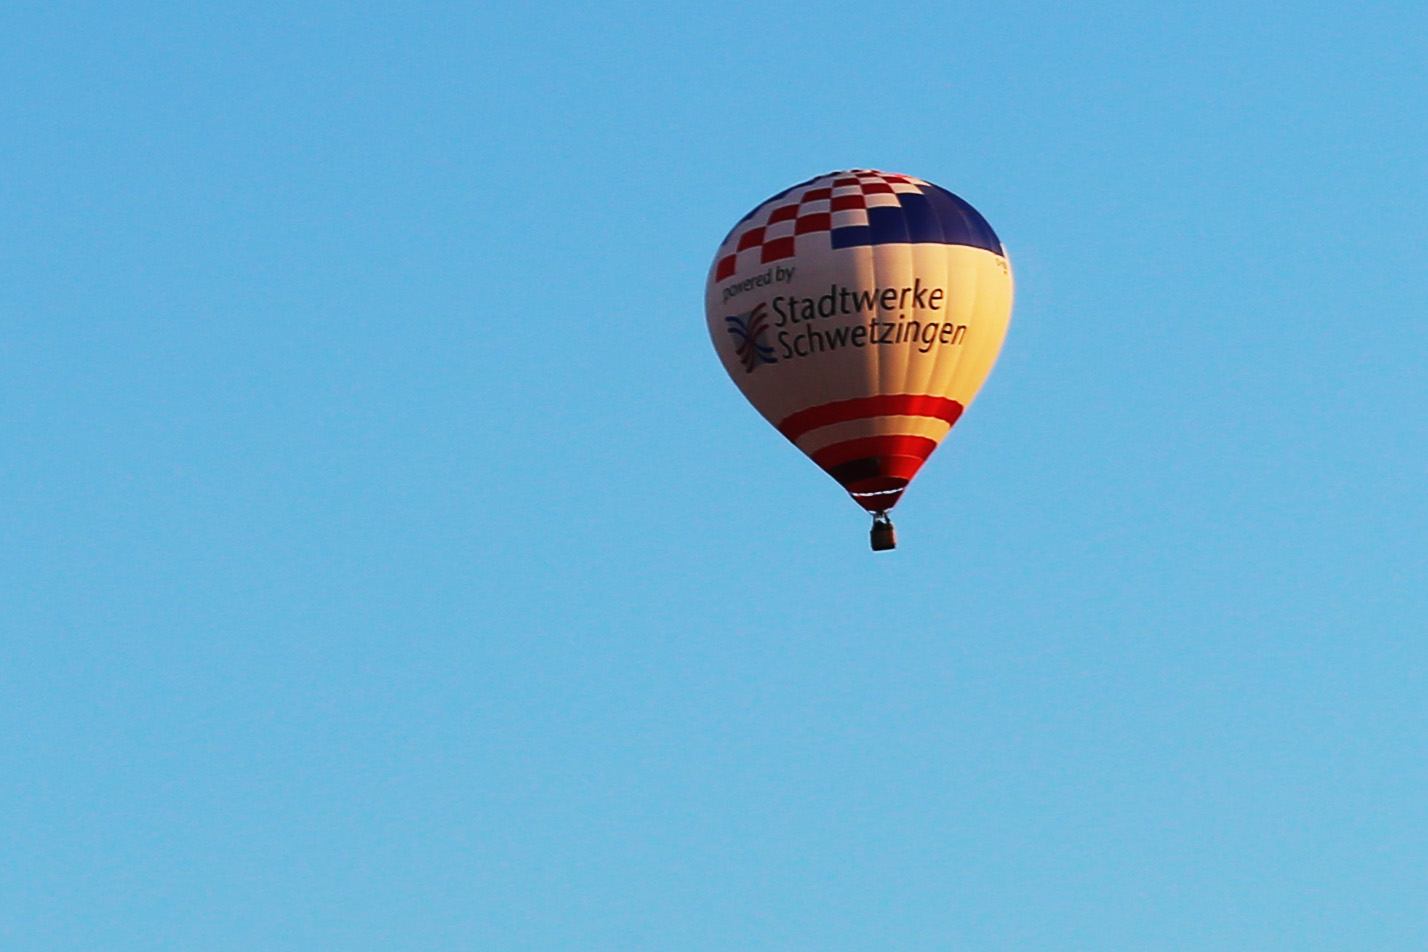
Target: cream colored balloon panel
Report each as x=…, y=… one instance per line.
x=985, y=292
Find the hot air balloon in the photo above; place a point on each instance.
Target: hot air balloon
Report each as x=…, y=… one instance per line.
x=860, y=312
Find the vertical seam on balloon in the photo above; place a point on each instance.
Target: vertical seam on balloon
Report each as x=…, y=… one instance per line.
x=876, y=363
x=938, y=353
x=941, y=233
x=908, y=258
x=962, y=351
x=976, y=312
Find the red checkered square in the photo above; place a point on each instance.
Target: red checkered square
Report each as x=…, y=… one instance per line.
x=818, y=221
x=783, y=213
x=776, y=249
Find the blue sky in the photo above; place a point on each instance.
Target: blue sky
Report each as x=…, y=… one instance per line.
x=389, y=563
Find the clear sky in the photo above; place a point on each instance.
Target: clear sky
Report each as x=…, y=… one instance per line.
x=388, y=563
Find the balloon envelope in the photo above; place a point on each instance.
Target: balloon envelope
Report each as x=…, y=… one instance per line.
x=860, y=312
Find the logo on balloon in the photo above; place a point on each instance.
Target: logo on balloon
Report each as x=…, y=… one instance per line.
x=749, y=329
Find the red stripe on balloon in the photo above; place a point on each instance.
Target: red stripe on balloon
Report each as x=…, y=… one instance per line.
x=892, y=404
x=896, y=452
x=875, y=469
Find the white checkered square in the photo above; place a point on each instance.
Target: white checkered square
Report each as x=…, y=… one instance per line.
x=850, y=216
x=779, y=229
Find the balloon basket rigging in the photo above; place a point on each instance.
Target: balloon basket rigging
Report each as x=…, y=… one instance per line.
x=884, y=536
